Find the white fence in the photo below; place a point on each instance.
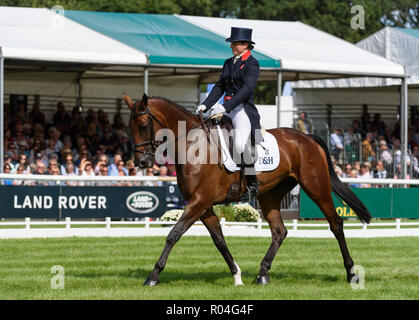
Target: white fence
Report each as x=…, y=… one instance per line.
x=108, y=228
x=61, y=178
x=390, y=182
x=68, y=228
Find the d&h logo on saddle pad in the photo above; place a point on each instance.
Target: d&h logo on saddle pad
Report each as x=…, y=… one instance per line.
x=267, y=151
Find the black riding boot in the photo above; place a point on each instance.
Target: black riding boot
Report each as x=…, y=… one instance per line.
x=252, y=188
x=252, y=184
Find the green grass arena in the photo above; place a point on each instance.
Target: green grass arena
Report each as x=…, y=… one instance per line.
x=115, y=268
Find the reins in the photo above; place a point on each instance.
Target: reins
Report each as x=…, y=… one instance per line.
x=152, y=142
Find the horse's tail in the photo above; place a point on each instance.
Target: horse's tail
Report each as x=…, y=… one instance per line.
x=342, y=190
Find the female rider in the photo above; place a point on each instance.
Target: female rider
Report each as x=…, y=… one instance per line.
x=238, y=81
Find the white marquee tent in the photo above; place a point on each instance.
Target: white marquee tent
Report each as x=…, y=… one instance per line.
x=43, y=35
x=398, y=45
x=47, y=52
x=375, y=95
x=303, y=49
x=53, y=54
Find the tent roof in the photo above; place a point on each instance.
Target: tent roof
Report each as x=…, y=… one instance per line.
x=166, y=39
x=304, y=48
x=119, y=42
x=398, y=45
x=411, y=32
x=41, y=34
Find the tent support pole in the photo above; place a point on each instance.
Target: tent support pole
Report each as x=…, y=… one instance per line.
x=78, y=93
x=1, y=111
x=404, y=126
x=198, y=91
x=278, y=102
x=146, y=80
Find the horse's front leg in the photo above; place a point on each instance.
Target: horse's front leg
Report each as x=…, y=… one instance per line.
x=192, y=212
x=210, y=221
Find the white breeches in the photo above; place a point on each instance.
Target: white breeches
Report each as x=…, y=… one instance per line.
x=241, y=128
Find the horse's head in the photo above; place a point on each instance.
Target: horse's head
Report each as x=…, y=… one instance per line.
x=142, y=131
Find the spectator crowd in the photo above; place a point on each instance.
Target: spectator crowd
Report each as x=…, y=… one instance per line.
x=371, y=149
x=92, y=145
x=71, y=144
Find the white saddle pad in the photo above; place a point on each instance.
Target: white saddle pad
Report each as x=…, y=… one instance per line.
x=268, y=153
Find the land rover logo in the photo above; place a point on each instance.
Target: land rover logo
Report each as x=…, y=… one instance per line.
x=142, y=202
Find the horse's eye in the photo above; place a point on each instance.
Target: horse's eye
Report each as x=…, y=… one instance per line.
x=142, y=126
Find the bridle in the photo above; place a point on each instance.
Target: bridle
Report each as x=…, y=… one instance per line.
x=151, y=143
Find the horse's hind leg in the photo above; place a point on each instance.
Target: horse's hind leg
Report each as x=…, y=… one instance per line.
x=210, y=220
x=319, y=190
x=270, y=204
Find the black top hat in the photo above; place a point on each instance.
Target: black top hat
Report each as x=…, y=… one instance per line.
x=240, y=34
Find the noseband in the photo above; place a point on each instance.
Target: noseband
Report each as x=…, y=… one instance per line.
x=151, y=143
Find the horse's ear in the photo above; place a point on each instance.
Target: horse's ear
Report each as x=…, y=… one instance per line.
x=128, y=101
x=145, y=100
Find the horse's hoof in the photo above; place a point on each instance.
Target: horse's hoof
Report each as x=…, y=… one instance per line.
x=353, y=278
x=150, y=283
x=263, y=279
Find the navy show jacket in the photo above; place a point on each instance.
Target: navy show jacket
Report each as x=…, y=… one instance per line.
x=238, y=81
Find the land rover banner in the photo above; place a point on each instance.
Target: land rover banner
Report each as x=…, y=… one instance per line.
x=83, y=202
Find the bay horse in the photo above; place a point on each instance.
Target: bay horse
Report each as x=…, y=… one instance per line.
x=305, y=160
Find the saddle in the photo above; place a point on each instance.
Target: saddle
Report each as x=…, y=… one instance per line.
x=226, y=124
x=267, y=153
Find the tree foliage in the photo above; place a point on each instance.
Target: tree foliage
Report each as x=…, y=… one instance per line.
x=330, y=16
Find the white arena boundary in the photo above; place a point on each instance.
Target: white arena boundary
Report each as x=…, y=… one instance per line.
x=60, y=178
x=147, y=228
x=108, y=228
